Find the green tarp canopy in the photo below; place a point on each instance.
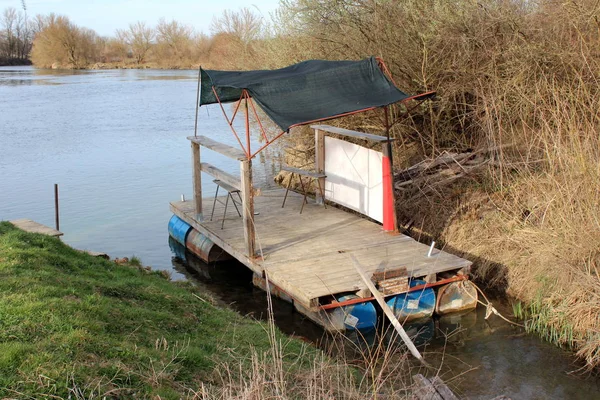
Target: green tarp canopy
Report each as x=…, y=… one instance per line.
x=309, y=91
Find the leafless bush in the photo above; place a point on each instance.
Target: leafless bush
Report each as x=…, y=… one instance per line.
x=139, y=39
x=61, y=42
x=507, y=72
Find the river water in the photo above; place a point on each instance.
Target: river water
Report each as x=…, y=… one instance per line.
x=115, y=142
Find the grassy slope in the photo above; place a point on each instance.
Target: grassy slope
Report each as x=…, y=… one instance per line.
x=69, y=321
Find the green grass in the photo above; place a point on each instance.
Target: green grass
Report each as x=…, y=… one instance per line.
x=75, y=325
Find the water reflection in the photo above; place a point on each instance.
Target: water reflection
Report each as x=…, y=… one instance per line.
x=168, y=77
x=27, y=82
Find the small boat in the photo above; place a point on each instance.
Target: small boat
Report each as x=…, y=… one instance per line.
x=413, y=305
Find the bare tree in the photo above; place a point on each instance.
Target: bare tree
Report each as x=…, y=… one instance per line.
x=244, y=24
x=139, y=38
x=8, y=24
x=15, y=34
x=174, y=39
x=62, y=42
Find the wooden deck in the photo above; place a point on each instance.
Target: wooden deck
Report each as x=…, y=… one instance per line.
x=308, y=255
x=35, y=227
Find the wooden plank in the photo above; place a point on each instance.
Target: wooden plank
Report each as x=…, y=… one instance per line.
x=394, y=285
x=225, y=186
x=221, y=175
x=320, y=160
x=248, y=206
x=424, y=389
x=349, y=133
x=219, y=147
x=388, y=312
x=389, y=273
x=442, y=389
x=29, y=225
x=303, y=172
x=197, y=179
x=300, y=297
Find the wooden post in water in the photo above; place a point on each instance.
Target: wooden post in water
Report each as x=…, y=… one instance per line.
x=197, y=180
x=56, y=215
x=320, y=160
x=248, y=205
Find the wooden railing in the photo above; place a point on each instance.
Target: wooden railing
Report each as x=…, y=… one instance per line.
x=243, y=183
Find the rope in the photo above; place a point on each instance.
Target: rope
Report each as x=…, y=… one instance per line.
x=489, y=307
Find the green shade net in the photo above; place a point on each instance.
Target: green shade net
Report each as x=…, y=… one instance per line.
x=310, y=91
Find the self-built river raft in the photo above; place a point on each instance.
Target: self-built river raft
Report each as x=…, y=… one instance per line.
x=304, y=250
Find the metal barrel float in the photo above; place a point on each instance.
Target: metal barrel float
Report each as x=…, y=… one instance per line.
x=413, y=305
x=361, y=316
x=455, y=297
x=179, y=229
x=194, y=241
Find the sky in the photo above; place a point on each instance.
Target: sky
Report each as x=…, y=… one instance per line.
x=106, y=16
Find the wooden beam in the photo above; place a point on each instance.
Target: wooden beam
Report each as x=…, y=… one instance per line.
x=320, y=159
x=221, y=175
x=424, y=389
x=442, y=389
x=388, y=312
x=431, y=389
x=302, y=172
x=219, y=147
x=349, y=133
x=197, y=179
x=248, y=205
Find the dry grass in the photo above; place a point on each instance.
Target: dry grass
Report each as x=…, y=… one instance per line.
x=347, y=371
x=507, y=72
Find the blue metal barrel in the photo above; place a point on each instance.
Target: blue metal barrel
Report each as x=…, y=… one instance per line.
x=413, y=305
x=179, y=229
x=362, y=316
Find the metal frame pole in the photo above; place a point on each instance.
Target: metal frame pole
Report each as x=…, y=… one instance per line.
x=197, y=102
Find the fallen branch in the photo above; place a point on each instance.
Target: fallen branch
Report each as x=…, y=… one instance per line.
x=431, y=174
